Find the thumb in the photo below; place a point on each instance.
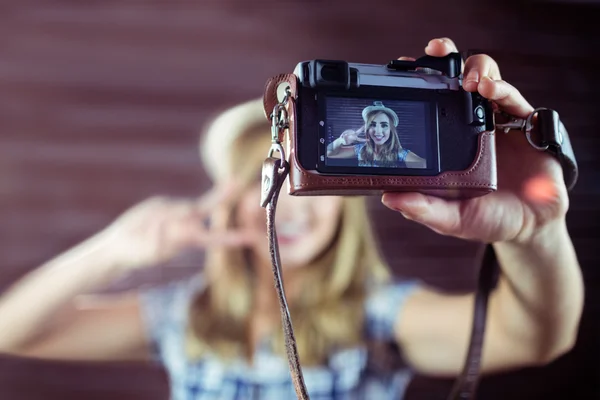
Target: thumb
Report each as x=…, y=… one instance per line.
x=442, y=216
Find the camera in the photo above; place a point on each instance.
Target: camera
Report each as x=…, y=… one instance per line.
x=362, y=129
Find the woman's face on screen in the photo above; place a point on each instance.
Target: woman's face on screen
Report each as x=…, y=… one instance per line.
x=379, y=128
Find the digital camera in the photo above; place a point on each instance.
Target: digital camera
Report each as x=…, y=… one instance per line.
x=406, y=126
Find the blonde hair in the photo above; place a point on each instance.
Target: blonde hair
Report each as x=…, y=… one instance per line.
x=327, y=316
x=389, y=153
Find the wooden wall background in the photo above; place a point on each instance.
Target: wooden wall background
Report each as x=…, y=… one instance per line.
x=101, y=104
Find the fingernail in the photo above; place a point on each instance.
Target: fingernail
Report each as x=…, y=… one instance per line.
x=395, y=207
x=399, y=209
x=405, y=215
x=385, y=199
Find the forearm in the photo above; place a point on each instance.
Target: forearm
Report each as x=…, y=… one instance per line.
x=334, y=147
x=29, y=307
x=540, y=295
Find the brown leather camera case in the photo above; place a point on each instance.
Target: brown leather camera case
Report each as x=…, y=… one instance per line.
x=477, y=180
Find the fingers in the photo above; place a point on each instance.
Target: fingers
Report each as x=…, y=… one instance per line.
x=440, y=47
x=478, y=67
x=188, y=220
x=344, y=138
x=440, y=215
x=347, y=133
x=217, y=195
x=475, y=67
x=188, y=227
x=482, y=74
x=188, y=234
x=350, y=136
x=506, y=96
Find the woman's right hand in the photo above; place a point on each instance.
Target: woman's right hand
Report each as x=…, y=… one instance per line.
x=351, y=136
x=158, y=229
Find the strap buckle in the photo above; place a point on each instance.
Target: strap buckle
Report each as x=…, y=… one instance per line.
x=279, y=117
x=549, y=137
x=279, y=123
x=275, y=169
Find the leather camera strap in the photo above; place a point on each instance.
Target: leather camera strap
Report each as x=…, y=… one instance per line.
x=554, y=139
x=465, y=385
x=275, y=171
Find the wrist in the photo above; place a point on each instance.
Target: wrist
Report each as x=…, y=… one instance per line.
x=551, y=234
x=104, y=253
x=88, y=265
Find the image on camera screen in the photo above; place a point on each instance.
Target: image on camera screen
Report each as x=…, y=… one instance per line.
x=367, y=132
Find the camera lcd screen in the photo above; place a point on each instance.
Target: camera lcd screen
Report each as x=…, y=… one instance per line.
x=378, y=135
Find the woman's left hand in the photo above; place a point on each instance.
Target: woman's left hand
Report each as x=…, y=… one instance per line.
x=531, y=192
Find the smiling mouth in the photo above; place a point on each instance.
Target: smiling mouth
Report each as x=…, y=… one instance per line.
x=378, y=137
x=289, y=233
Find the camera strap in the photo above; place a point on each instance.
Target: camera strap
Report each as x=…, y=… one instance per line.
x=274, y=173
x=551, y=136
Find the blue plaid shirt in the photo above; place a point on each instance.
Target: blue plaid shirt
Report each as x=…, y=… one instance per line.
x=345, y=376
x=402, y=154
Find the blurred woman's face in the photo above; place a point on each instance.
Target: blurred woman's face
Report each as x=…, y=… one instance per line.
x=305, y=226
x=379, y=129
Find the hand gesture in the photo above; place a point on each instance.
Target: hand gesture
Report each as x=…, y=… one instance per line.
x=160, y=228
x=351, y=136
x=531, y=192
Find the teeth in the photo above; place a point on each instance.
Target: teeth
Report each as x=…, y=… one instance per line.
x=288, y=230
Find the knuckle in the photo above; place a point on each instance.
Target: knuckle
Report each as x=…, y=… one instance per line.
x=485, y=63
x=506, y=90
x=479, y=59
x=450, y=42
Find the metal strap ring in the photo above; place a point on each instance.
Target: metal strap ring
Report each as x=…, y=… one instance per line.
x=529, y=127
x=277, y=147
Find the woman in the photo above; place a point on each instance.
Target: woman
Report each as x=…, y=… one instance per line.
x=382, y=146
x=219, y=335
